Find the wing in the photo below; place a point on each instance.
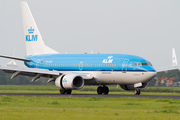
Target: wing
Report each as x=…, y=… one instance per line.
x=167, y=68
x=174, y=63
x=37, y=73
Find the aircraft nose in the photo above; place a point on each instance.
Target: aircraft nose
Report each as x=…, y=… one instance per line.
x=149, y=76
x=152, y=72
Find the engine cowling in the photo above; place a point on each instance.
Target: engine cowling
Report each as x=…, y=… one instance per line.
x=131, y=87
x=69, y=81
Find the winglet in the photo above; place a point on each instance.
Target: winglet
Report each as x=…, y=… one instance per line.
x=174, y=59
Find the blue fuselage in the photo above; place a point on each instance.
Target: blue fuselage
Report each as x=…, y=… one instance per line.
x=90, y=62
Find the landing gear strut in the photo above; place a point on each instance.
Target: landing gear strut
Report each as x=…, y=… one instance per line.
x=103, y=89
x=137, y=91
x=63, y=91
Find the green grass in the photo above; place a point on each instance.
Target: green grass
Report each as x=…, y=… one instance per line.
x=68, y=108
x=55, y=108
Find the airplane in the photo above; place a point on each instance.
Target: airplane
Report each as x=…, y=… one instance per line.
x=74, y=71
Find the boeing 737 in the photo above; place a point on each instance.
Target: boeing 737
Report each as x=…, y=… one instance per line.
x=73, y=71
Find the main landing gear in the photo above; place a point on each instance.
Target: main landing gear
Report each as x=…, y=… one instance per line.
x=137, y=91
x=103, y=89
x=63, y=91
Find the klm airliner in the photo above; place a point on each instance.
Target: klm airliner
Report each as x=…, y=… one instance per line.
x=73, y=71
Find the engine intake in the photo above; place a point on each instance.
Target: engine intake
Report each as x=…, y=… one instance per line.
x=69, y=81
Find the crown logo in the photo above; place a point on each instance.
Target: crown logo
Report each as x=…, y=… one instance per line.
x=109, y=57
x=31, y=31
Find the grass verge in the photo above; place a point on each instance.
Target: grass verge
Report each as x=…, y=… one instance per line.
x=35, y=108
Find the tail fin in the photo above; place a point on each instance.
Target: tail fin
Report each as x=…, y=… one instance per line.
x=174, y=59
x=34, y=42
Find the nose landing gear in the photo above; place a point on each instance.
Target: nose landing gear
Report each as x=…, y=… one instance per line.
x=103, y=89
x=137, y=91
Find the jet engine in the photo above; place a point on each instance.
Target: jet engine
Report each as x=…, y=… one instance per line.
x=69, y=81
x=131, y=87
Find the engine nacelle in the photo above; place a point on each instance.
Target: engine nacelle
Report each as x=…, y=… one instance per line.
x=131, y=87
x=69, y=81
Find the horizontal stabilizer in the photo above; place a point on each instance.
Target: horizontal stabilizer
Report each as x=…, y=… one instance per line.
x=15, y=58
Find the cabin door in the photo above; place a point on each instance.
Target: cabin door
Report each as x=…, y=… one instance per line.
x=124, y=65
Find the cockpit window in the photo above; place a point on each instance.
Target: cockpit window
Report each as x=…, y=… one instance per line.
x=137, y=64
x=142, y=64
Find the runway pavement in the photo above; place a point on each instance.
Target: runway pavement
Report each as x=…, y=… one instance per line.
x=91, y=95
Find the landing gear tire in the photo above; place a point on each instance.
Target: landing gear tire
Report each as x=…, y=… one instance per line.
x=100, y=90
x=68, y=91
x=106, y=90
x=62, y=91
x=137, y=91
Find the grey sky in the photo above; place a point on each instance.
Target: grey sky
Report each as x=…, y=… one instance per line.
x=147, y=28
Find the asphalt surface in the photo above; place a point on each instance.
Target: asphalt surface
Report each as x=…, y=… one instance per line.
x=91, y=95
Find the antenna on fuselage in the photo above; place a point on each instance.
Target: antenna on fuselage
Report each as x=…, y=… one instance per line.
x=91, y=52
